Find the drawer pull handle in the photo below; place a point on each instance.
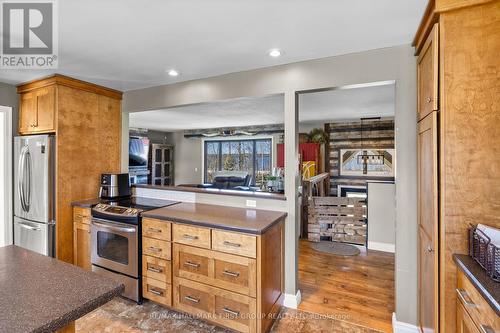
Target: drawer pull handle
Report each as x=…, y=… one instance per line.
x=155, y=249
x=155, y=291
x=232, y=274
x=192, y=299
x=231, y=312
x=429, y=99
x=487, y=329
x=154, y=269
x=231, y=244
x=191, y=264
x=462, y=294
x=190, y=237
x=154, y=230
x=79, y=216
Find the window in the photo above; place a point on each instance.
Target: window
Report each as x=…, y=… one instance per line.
x=252, y=156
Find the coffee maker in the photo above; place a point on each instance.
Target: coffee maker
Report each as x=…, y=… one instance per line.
x=114, y=186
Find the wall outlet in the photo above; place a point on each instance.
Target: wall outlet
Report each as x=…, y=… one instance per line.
x=251, y=203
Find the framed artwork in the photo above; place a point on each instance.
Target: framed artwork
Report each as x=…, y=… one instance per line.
x=367, y=162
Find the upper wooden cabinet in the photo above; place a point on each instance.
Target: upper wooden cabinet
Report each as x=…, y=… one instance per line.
x=37, y=111
x=428, y=74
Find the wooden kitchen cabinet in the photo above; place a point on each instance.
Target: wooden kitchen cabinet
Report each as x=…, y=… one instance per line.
x=457, y=69
x=37, y=111
x=464, y=321
x=86, y=121
x=81, y=236
x=428, y=75
x=231, y=278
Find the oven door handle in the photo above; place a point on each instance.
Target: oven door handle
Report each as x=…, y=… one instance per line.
x=112, y=227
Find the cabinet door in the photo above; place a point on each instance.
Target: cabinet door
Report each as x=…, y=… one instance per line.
x=427, y=73
x=81, y=245
x=27, y=112
x=45, y=106
x=464, y=321
x=428, y=223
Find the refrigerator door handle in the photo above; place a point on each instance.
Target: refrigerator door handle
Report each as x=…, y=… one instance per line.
x=25, y=226
x=29, y=171
x=20, y=182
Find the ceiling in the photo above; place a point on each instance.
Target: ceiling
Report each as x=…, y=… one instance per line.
x=130, y=44
x=321, y=107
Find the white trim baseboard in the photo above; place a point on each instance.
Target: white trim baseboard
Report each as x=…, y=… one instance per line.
x=385, y=247
x=292, y=301
x=400, y=327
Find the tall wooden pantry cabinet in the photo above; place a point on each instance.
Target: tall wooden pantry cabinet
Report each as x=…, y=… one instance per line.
x=458, y=66
x=86, y=121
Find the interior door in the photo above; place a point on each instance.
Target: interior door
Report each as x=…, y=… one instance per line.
x=428, y=275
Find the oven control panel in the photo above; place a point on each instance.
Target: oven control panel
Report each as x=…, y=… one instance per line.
x=116, y=210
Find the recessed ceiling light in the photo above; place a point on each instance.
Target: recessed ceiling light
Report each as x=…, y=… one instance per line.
x=173, y=72
x=275, y=53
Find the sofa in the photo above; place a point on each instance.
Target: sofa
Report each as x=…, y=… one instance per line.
x=230, y=180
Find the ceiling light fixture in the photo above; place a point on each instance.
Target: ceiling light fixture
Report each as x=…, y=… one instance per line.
x=275, y=53
x=173, y=72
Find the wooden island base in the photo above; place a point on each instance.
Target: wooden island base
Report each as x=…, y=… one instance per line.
x=215, y=269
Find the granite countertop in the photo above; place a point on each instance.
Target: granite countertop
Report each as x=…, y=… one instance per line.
x=42, y=294
x=488, y=288
x=246, y=220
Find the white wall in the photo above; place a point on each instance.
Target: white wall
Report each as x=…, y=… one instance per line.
x=381, y=216
x=187, y=159
x=395, y=63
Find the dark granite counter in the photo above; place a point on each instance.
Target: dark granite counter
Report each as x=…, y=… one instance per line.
x=488, y=288
x=253, y=221
x=42, y=294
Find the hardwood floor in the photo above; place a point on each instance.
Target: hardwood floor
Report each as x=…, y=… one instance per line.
x=358, y=289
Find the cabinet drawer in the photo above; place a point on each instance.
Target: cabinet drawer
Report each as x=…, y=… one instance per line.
x=157, y=291
x=157, y=269
x=235, y=243
x=81, y=215
x=157, y=248
x=480, y=311
x=217, y=269
x=193, y=297
x=232, y=310
x=189, y=235
x=156, y=229
x=226, y=308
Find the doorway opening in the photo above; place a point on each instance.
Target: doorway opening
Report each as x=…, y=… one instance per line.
x=347, y=228
x=5, y=176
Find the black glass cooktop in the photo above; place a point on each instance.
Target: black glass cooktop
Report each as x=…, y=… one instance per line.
x=141, y=203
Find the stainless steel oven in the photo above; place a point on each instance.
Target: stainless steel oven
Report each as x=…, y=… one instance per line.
x=115, y=246
x=115, y=253
x=116, y=240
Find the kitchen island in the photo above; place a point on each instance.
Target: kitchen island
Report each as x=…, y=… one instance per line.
x=222, y=264
x=42, y=294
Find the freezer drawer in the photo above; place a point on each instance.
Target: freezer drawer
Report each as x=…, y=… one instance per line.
x=37, y=237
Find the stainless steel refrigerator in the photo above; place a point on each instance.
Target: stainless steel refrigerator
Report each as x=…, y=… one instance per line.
x=34, y=220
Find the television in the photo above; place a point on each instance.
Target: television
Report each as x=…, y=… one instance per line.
x=138, y=151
